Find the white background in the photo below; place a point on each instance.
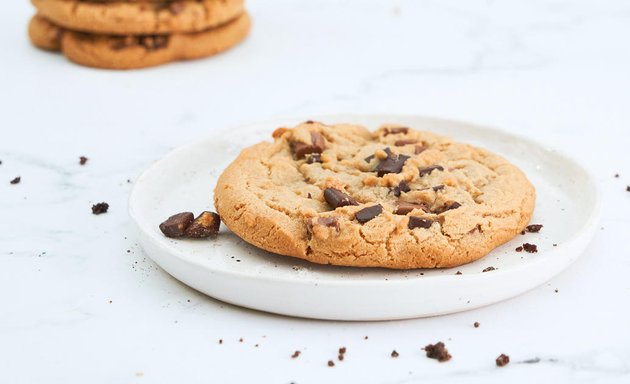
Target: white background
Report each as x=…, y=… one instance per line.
x=556, y=71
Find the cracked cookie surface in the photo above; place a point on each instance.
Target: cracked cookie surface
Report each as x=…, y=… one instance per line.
x=139, y=17
x=394, y=198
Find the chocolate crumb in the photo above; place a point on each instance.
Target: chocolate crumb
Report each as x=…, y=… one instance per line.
x=331, y=363
x=367, y=214
x=628, y=188
x=428, y=170
x=309, y=196
x=256, y=345
x=220, y=341
x=523, y=232
x=476, y=324
x=502, y=360
x=99, y=208
x=555, y=245
x=296, y=354
x=556, y=290
x=616, y=174
x=365, y=338
x=16, y=180
x=519, y=249
x=533, y=228
x=437, y=351
x=489, y=269
x=340, y=357
x=394, y=353
x=530, y=248
x=83, y=160
x=438, y=187
x=342, y=350
x=176, y=225
x=240, y=340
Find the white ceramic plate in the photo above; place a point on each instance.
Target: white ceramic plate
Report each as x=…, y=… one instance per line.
x=231, y=270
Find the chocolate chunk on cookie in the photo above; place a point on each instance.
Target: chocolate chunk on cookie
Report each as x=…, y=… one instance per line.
x=393, y=163
x=367, y=214
x=316, y=146
x=419, y=222
x=335, y=198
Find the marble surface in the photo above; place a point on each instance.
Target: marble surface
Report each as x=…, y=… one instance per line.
x=81, y=302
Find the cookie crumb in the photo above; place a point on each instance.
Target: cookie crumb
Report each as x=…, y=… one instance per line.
x=437, y=351
x=534, y=228
x=530, y=248
x=99, y=208
x=16, y=180
x=83, y=160
x=489, y=269
x=458, y=273
x=296, y=354
x=476, y=324
x=394, y=353
x=502, y=360
x=331, y=363
x=519, y=248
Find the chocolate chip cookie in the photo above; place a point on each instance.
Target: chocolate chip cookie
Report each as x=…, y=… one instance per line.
x=136, y=51
x=125, y=17
x=394, y=198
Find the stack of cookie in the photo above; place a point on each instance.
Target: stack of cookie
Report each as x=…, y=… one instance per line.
x=127, y=34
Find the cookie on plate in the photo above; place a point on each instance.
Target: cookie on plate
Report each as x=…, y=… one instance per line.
x=136, y=51
x=394, y=198
x=125, y=17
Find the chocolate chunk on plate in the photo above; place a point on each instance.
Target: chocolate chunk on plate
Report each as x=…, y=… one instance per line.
x=503, y=360
x=175, y=226
x=367, y=214
x=317, y=145
x=205, y=225
x=335, y=198
x=393, y=163
x=419, y=222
